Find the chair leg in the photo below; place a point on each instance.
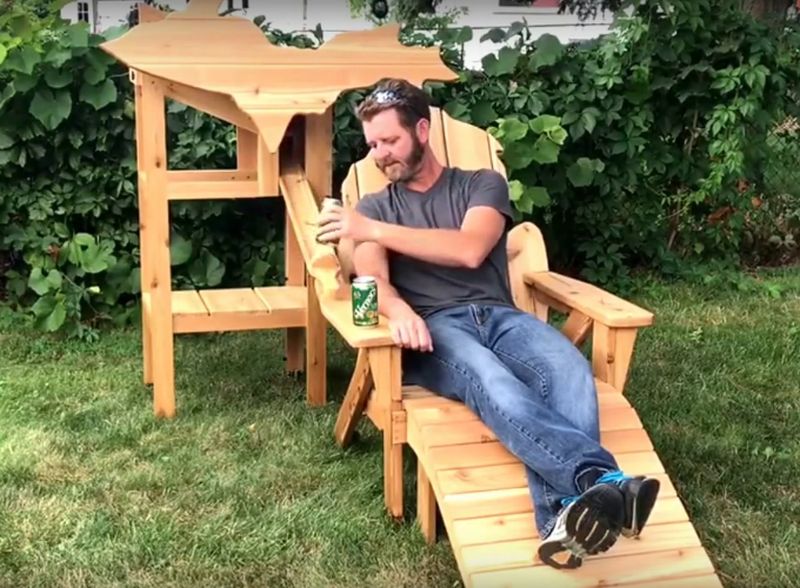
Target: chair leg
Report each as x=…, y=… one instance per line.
x=355, y=400
x=147, y=346
x=392, y=474
x=426, y=505
x=163, y=370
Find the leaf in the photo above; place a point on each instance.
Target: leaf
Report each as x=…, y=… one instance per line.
x=23, y=60
x=503, y=63
x=3, y=54
x=558, y=136
x=516, y=190
x=548, y=51
x=58, y=78
x=483, y=113
x=83, y=239
x=569, y=117
x=589, y=121
x=215, y=270
x=57, y=56
x=99, y=96
x=78, y=35
x=24, y=82
x=180, y=250
x=545, y=151
x=56, y=318
x=38, y=283
x=455, y=109
x=5, y=140
x=44, y=306
x=544, y=123
x=54, y=279
x=51, y=108
x=581, y=173
x=496, y=35
x=539, y=196
x=7, y=93
x=94, y=75
x=517, y=155
x=513, y=129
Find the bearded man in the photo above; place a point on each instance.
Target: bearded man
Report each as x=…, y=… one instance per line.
x=434, y=239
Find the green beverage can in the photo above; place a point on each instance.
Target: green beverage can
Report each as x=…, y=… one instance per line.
x=365, y=301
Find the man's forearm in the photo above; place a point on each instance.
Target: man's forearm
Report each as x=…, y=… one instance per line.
x=450, y=247
x=390, y=303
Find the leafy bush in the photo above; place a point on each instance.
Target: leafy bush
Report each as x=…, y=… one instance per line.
x=69, y=239
x=665, y=117
x=644, y=148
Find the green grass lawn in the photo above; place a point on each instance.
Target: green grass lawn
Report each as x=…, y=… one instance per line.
x=247, y=487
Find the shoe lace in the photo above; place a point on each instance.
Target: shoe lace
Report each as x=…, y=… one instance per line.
x=616, y=477
x=568, y=500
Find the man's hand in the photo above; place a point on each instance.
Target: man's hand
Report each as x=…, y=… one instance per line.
x=341, y=222
x=410, y=331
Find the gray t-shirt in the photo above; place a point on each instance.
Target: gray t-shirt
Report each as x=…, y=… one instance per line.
x=428, y=287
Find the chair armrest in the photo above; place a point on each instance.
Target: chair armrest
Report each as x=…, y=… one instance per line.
x=592, y=301
x=339, y=313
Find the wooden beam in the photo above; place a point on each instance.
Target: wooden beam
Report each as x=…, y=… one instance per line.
x=426, y=504
x=355, y=400
x=319, y=153
x=316, y=348
x=577, y=327
x=612, y=350
x=386, y=373
x=295, y=276
x=246, y=149
x=219, y=105
x=156, y=262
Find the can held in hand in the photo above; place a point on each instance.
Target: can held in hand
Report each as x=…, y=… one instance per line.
x=327, y=204
x=365, y=301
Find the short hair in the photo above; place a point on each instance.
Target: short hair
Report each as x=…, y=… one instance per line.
x=411, y=103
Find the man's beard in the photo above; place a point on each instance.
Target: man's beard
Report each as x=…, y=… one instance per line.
x=405, y=169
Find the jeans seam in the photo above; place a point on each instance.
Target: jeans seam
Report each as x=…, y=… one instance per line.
x=545, y=388
x=535, y=440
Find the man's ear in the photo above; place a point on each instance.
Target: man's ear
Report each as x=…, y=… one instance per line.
x=423, y=130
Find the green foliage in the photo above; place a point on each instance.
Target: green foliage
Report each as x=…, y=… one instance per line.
x=69, y=240
x=664, y=118
x=644, y=148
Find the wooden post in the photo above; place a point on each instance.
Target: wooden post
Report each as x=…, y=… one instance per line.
x=355, y=399
x=246, y=149
x=319, y=153
x=145, y=273
x=155, y=262
x=426, y=505
x=612, y=350
x=295, y=276
x=318, y=148
x=386, y=373
x=316, y=348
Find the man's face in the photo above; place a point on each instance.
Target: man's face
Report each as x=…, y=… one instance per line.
x=397, y=152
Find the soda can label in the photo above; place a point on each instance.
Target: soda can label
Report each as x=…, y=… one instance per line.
x=365, y=301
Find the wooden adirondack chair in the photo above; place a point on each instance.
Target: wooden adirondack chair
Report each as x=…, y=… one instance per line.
x=479, y=487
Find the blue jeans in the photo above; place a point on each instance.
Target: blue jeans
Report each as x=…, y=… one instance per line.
x=528, y=384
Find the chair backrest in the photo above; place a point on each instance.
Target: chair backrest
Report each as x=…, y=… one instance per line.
x=459, y=144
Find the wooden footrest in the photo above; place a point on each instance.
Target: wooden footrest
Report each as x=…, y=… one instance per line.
x=483, y=496
x=204, y=311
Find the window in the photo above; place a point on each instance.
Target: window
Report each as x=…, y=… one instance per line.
x=83, y=11
x=529, y=3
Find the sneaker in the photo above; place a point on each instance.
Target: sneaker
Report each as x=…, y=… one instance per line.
x=588, y=524
x=640, y=495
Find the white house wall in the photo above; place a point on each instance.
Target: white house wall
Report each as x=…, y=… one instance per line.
x=334, y=16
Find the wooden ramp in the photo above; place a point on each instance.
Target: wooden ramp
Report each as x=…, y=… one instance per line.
x=483, y=498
